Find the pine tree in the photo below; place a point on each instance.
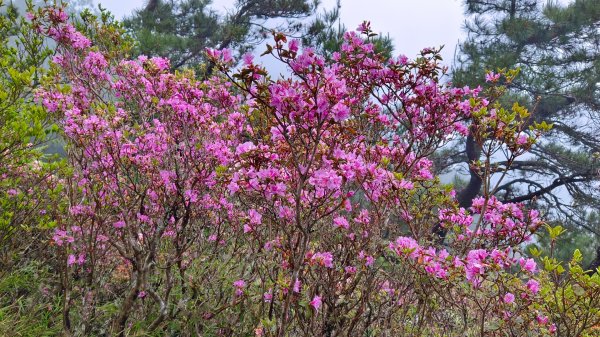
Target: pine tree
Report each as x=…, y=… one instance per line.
x=557, y=48
x=181, y=30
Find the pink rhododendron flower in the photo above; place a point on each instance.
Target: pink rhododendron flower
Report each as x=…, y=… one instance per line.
x=239, y=287
x=528, y=265
x=533, y=286
x=341, y=222
x=364, y=27
x=340, y=112
x=522, y=139
x=297, y=286
x=475, y=267
x=268, y=296
x=247, y=58
x=71, y=259
x=407, y=244
x=161, y=63
x=491, y=77
x=293, y=45
x=226, y=55
x=255, y=217
x=316, y=302
x=119, y=224
x=245, y=147
x=324, y=259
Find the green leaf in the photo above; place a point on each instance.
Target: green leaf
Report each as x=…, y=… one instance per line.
x=577, y=257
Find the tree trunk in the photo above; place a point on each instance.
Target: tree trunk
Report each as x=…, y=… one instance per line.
x=466, y=195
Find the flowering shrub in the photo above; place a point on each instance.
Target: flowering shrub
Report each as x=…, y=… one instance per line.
x=304, y=205
x=27, y=186
x=30, y=191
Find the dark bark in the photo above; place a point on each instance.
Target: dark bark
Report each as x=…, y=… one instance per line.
x=466, y=195
x=594, y=264
x=151, y=6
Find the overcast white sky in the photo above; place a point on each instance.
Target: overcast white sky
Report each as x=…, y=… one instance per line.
x=412, y=24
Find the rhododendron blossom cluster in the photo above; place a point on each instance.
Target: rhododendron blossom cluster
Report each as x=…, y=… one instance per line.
x=302, y=205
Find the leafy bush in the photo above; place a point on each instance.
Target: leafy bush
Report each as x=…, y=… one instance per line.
x=28, y=189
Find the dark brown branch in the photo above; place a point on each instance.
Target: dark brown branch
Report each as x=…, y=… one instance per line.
x=556, y=183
